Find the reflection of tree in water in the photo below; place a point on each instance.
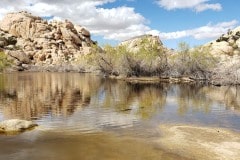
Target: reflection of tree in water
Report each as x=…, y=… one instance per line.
x=190, y=97
x=143, y=100
x=151, y=98
x=229, y=95
x=32, y=95
x=232, y=97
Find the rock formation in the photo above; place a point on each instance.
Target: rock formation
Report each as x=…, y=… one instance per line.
x=227, y=50
x=15, y=125
x=227, y=44
x=29, y=39
x=147, y=41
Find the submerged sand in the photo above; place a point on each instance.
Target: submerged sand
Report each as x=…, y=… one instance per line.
x=200, y=142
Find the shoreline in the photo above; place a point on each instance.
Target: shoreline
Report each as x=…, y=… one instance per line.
x=69, y=68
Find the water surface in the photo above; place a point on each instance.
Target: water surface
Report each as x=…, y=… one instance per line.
x=82, y=115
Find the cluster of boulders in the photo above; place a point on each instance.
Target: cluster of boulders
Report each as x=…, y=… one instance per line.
x=227, y=44
x=7, y=41
x=29, y=39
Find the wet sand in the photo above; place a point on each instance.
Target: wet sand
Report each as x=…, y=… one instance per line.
x=179, y=142
x=59, y=146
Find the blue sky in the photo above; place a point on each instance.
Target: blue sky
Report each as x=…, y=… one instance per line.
x=181, y=19
x=111, y=21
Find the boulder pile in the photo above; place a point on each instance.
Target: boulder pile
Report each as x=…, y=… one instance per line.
x=227, y=44
x=29, y=39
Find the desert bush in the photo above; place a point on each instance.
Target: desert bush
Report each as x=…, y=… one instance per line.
x=197, y=63
x=152, y=60
x=3, y=61
x=148, y=60
x=227, y=72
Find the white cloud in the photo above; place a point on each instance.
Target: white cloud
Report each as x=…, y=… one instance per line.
x=118, y=23
x=208, y=31
x=197, y=5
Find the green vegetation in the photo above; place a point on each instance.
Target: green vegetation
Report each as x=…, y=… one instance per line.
x=152, y=60
x=3, y=61
x=146, y=61
x=197, y=63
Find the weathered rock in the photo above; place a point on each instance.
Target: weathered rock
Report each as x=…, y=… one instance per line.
x=20, y=56
x=2, y=43
x=222, y=48
x=136, y=43
x=236, y=52
x=16, y=125
x=238, y=43
x=227, y=44
x=231, y=41
x=82, y=31
x=39, y=40
x=6, y=39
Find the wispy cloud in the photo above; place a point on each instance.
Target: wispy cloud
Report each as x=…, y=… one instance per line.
x=208, y=31
x=197, y=5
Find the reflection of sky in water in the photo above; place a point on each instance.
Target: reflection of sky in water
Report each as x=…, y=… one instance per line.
x=217, y=116
x=101, y=95
x=89, y=120
x=1, y=116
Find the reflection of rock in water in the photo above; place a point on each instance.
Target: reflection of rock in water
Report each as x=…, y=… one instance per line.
x=31, y=95
x=37, y=94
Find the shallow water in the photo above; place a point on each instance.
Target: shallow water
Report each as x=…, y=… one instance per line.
x=82, y=115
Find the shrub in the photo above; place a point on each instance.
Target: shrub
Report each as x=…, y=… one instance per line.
x=148, y=60
x=152, y=60
x=3, y=61
x=197, y=63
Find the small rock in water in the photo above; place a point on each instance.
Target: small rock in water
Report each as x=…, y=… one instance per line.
x=16, y=125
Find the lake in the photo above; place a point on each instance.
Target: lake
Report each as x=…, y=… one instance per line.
x=84, y=116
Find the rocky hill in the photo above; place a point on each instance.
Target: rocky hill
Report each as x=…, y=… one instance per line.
x=29, y=40
x=227, y=49
x=227, y=44
x=144, y=41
